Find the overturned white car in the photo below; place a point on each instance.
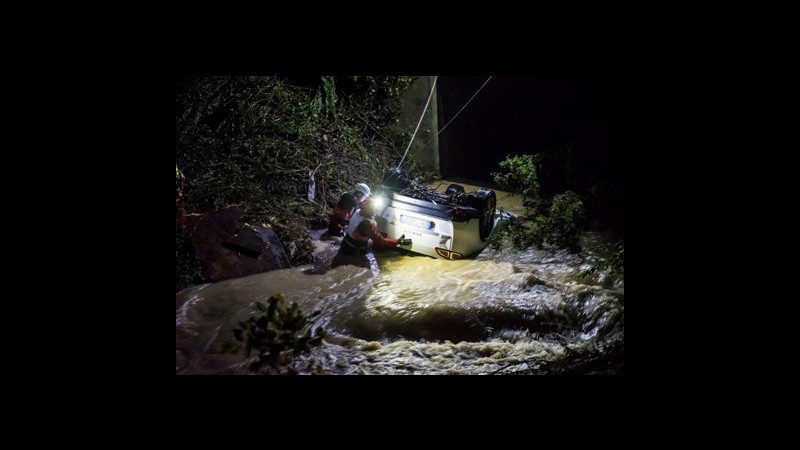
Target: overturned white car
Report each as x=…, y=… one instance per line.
x=450, y=225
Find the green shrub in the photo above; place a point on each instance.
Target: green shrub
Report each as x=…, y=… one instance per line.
x=278, y=335
x=496, y=239
x=561, y=227
x=518, y=175
x=565, y=220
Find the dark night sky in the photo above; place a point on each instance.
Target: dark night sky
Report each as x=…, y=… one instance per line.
x=528, y=115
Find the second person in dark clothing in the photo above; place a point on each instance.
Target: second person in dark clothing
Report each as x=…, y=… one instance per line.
x=348, y=203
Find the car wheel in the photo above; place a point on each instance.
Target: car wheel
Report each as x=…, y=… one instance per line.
x=396, y=179
x=454, y=189
x=486, y=203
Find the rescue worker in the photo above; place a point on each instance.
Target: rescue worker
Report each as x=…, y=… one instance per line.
x=355, y=247
x=347, y=205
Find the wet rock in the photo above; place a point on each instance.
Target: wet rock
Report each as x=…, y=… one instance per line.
x=226, y=248
x=371, y=346
x=533, y=280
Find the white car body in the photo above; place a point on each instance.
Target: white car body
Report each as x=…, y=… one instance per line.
x=435, y=230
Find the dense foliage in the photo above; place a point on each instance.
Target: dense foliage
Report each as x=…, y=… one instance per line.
x=518, y=175
x=564, y=221
x=284, y=148
x=560, y=226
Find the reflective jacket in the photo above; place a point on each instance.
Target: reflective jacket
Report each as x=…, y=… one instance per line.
x=361, y=230
x=344, y=209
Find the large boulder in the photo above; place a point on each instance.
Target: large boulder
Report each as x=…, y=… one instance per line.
x=226, y=248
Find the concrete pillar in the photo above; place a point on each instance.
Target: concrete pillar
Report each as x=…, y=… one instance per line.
x=425, y=149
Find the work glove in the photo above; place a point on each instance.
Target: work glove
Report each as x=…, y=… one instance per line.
x=403, y=241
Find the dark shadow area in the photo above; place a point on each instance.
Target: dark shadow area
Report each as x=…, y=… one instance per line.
x=455, y=325
x=565, y=119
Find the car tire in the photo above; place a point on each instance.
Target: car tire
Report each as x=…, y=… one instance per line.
x=485, y=203
x=396, y=179
x=454, y=189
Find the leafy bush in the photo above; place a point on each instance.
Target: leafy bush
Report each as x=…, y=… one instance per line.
x=518, y=175
x=565, y=220
x=496, y=238
x=278, y=335
x=560, y=227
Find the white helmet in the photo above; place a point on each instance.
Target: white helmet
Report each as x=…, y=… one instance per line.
x=363, y=188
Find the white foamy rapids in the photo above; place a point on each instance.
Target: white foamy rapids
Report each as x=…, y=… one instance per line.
x=505, y=311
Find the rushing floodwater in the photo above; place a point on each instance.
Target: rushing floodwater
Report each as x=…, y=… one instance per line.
x=502, y=312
